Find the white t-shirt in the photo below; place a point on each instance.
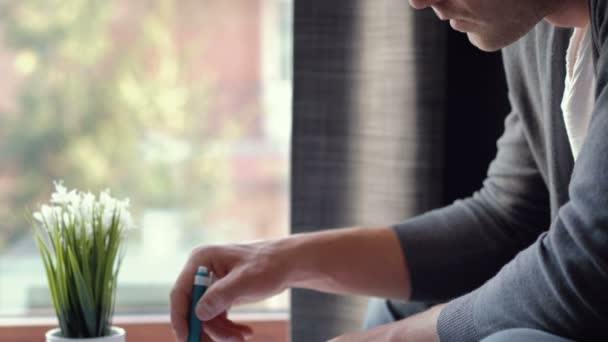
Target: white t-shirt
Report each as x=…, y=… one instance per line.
x=579, y=93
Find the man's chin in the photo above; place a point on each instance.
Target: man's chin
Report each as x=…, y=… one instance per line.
x=482, y=44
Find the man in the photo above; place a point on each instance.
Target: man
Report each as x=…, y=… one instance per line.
x=529, y=250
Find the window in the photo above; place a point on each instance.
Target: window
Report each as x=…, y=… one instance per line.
x=183, y=106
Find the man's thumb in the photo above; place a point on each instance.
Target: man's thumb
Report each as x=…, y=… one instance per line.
x=218, y=298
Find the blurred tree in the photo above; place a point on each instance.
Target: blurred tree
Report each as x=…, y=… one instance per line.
x=105, y=101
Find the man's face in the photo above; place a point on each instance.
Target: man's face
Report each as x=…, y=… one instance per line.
x=489, y=24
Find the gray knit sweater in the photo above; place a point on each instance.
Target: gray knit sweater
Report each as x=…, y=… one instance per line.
x=530, y=249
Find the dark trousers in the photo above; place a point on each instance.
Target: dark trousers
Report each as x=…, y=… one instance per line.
x=381, y=311
x=524, y=335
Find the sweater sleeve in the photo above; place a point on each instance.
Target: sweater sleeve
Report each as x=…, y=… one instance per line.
x=453, y=250
x=559, y=283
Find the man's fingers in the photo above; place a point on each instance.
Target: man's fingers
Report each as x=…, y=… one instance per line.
x=243, y=329
x=180, y=300
x=179, y=313
x=219, y=297
x=221, y=329
x=205, y=337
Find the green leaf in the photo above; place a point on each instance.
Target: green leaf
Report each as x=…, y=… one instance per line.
x=62, y=279
x=87, y=304
x=51, y=279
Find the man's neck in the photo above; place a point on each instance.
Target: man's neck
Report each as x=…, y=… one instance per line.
x=569, y=13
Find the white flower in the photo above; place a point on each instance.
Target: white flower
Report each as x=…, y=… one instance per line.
x=85, y=207
x=126, y=220
x=48, y=216
x=107, y=218
x=88, y=201
x=61, y=195
x=68, y=218
x=74, y=198
x=106, y=200
x=83, y=210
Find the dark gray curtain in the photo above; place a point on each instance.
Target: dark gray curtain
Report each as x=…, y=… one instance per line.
x=369, y=104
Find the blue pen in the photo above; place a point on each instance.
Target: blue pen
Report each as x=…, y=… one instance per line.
x=202, y=280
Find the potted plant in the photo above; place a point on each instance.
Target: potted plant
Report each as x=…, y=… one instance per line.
x=81, y=239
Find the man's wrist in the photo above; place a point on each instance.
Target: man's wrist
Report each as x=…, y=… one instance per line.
x=312, y=260
x=299, y=256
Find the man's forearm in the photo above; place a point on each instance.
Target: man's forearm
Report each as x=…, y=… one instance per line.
x=363, y=261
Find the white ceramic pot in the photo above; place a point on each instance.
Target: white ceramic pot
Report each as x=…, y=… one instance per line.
x=116, y=335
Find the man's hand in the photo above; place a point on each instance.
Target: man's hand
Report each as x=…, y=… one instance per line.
x=418, y=328
x=244, y=273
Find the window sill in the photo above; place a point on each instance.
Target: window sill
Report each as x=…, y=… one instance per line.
x=267, y=327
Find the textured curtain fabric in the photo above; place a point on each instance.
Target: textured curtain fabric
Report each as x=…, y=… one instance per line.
x=368, y=127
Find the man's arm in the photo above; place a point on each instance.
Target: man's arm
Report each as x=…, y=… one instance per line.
x=365, y=261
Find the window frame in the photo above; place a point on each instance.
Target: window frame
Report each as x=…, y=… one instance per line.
x=268, y=327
